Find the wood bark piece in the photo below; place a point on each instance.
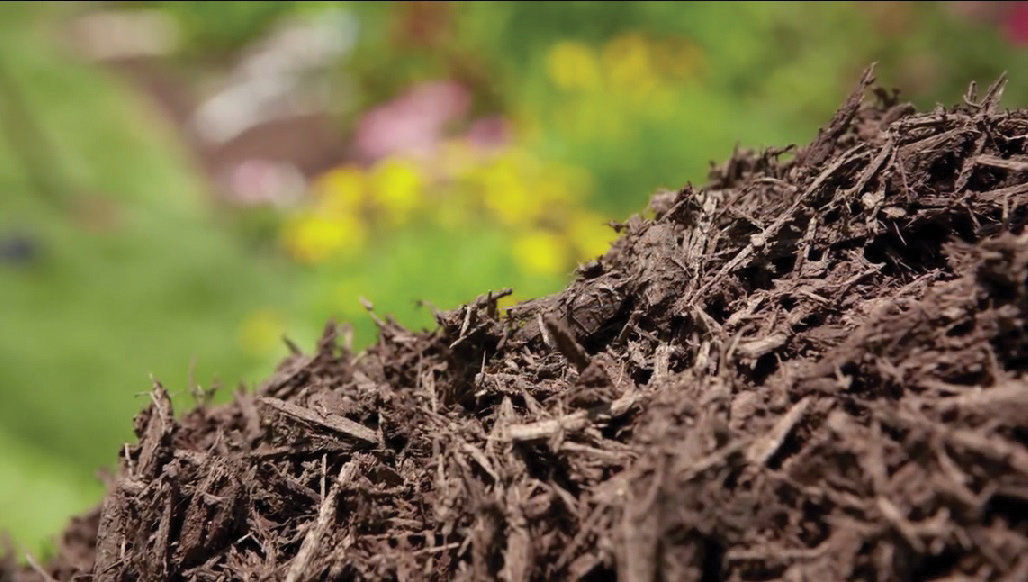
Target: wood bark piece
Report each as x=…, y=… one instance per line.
x=545, y=429
x=764, y=448
x=316, y=532
x=333, y=422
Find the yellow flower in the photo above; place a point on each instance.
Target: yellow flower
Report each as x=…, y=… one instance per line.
x=260, y=332
x=396, y=187
x=572, y=66
x=628, y=64
x=506, y=191
x=540, y=253
x=340, y=191
x=312, y=238
x=591, y=235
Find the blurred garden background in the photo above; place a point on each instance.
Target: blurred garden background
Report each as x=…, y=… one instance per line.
x=182, y=183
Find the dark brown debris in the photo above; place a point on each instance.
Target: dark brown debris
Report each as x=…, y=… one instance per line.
x=813, y=368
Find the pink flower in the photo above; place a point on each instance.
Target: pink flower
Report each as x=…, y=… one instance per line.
x=412, y=123
x=254, y=182
x=1016, y=23
x=489, y=133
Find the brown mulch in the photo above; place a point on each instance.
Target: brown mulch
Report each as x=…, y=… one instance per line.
x=813, y=368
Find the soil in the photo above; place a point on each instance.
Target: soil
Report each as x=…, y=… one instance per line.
x=813, y=368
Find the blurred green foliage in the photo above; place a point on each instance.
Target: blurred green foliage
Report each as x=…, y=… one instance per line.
x=139, y=272
x=135, y=275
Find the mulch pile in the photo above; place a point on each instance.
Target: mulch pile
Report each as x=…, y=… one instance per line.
x=813, y=368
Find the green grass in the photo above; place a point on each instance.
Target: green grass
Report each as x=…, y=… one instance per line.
x=160, y=281
x=38, y=491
